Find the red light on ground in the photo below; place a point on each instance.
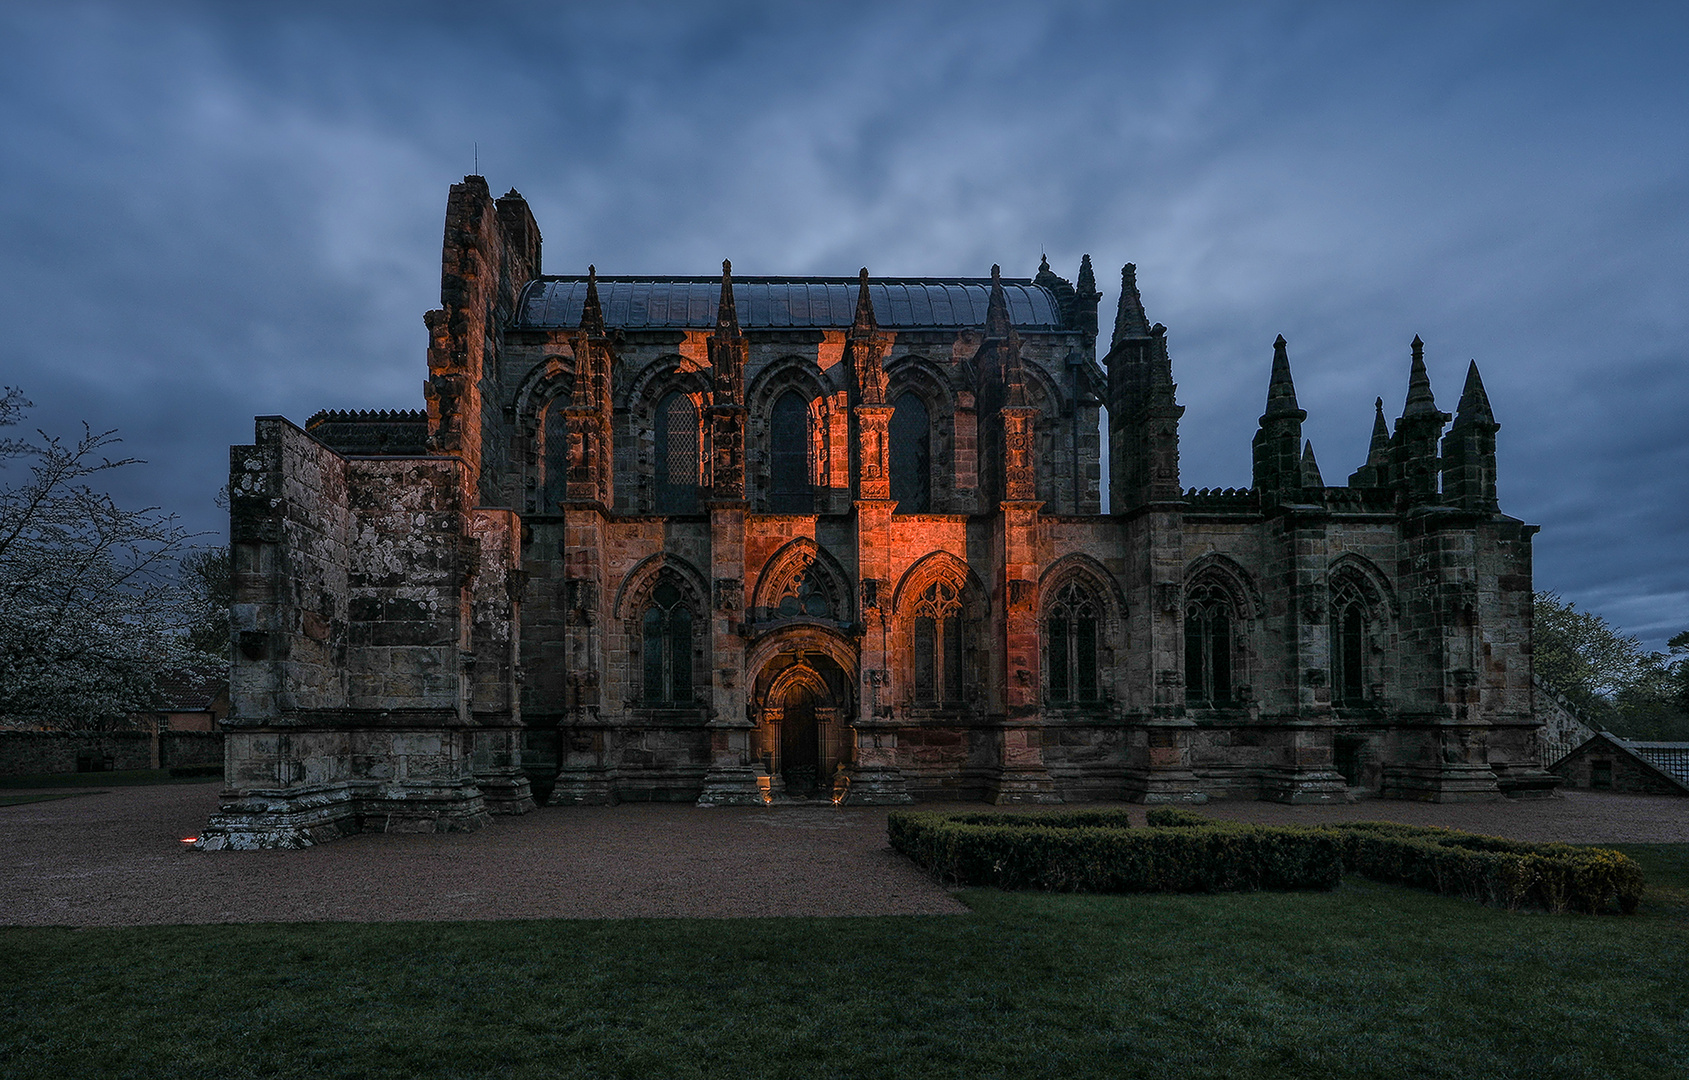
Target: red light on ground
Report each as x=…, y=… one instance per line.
x=190, y=839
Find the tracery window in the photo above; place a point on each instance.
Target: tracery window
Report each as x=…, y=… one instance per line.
x=805, y=594
x=788, y=451
x=938, y=645
x=1348, y=652
x=1070, y=636
x=911, y=455
x=677, y=455
x=1209, y=631
x=667, y=648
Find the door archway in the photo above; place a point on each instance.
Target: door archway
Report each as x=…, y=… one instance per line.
x=803, y=732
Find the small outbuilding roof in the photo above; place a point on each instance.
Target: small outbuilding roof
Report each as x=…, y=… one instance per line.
x=634, y=303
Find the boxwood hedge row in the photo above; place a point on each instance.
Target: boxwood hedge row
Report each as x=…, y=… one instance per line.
x=1183, y=851
x=1047, y=852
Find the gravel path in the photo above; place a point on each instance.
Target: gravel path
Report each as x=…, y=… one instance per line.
x=116, y=859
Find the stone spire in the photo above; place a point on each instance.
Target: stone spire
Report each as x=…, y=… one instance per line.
x=865, y=348
x=1130, y=320
x=1474, y=405
x=726, y=315
x=1468, y=463
x=1085, y=299
x=1414, y=448
x=1311, y=478
x=1281, y=390
x=865, y=319
x=1000, y=328
x=1420, y=401
x=726, y=345
x=1278, y=443
x=592, y=314
x=1375, y=473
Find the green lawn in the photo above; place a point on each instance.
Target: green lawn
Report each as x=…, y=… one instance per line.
x=1368, y=981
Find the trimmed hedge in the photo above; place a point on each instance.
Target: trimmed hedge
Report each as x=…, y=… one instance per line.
x=1183, y=851
x=1041, y=852
x=1490, y=869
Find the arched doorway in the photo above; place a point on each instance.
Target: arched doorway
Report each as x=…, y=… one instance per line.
x=800, y=751
x=803, y=713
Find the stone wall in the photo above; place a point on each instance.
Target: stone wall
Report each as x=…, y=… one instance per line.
x=31, y=753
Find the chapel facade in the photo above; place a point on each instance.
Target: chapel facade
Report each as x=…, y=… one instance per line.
x=739, y=540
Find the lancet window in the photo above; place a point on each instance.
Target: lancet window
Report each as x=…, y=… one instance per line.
x=1353, y=669
x=788, y=445
x=910, y=431
x=676, y=471
x=666, y=644
x=556, y=472
x=938, y=645
x=1070, y=636
x=1210, y=629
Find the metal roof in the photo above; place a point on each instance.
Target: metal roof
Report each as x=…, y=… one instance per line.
x=764, y=303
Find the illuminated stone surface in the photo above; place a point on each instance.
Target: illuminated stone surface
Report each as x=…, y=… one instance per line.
x=439, y=615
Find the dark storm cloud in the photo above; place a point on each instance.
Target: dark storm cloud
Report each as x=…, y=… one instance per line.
x=210, y=212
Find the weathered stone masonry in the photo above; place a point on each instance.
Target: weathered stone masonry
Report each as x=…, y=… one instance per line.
x=741, y=540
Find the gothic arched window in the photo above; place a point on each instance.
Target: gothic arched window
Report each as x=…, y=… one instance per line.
x=1070, y=635
x=911, y=455
x=556, y=442
x=788, y=453
x=938, y=645
x=677, y=455
x=1348, y=652
x=667, y=648
x=1208, y=646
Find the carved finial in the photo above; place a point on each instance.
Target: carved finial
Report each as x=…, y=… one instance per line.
x=1044, y=263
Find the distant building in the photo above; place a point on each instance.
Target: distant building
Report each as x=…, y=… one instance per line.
x=1605, y=762
x=730, y=540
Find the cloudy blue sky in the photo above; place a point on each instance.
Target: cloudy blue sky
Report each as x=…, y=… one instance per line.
x=214, y=211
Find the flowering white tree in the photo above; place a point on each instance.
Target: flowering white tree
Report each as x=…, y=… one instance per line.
x=90, y=605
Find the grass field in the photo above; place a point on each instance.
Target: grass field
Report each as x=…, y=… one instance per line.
x=1368, y=981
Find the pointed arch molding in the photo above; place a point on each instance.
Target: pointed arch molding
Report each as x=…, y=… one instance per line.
x=1233, y=576
x=940, y=566
x=929, y=381
x=1365, y=577
x=787, y=373
x=1077, y=566
x=672, y=372
x=549, y=379
x=801, y=642
x=792, y=560
x=639, y=582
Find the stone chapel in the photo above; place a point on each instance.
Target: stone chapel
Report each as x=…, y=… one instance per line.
x=740, y=540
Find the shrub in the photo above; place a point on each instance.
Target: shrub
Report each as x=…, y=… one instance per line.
x=1035, y=852
x=1490, y=869
x=1183, y=851
x=1175, y=817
